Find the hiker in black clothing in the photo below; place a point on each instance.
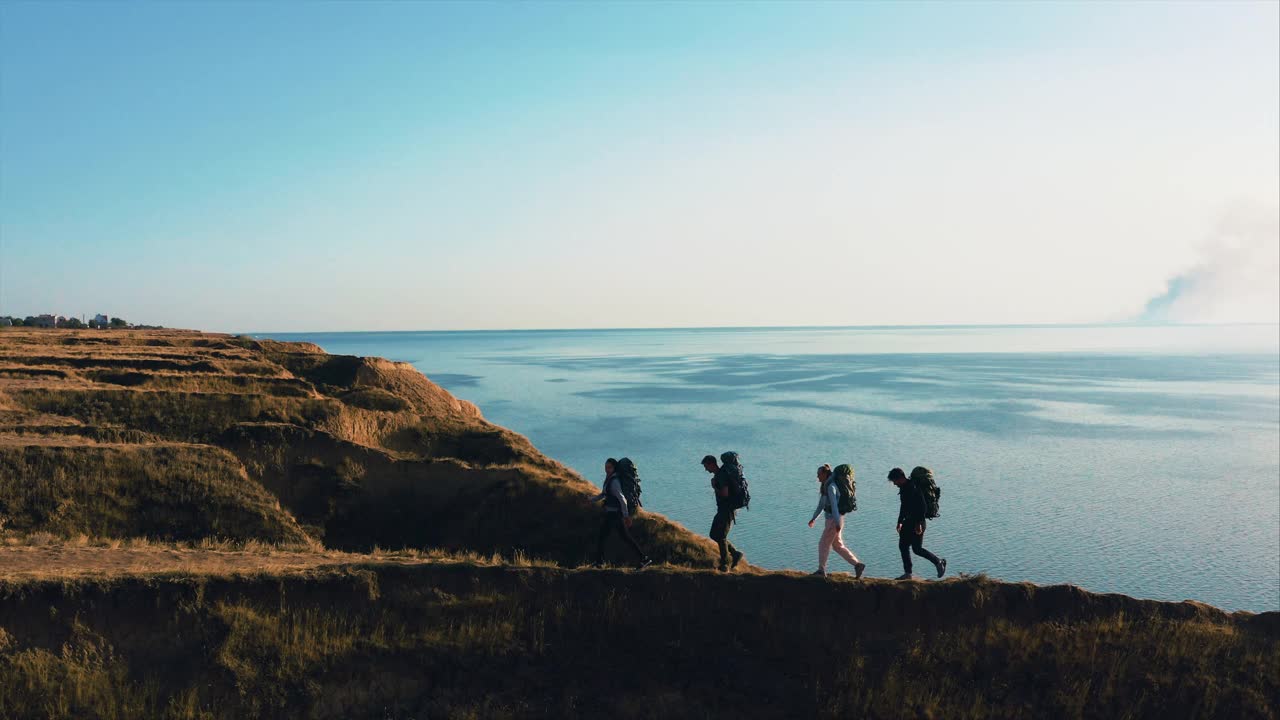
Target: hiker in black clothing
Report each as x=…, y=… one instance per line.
x=616, y=516
x=725, y=514
x=911, y=524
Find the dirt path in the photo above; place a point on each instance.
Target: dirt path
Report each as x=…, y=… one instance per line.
x=53, y=561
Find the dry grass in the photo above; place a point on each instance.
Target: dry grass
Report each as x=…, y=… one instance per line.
x=41, y=555
x=411, y=636
x=361, y=452
x=175, y=415
x=221, y=383
x=155, y=490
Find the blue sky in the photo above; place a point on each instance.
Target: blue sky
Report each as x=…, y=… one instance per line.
x=278, y=166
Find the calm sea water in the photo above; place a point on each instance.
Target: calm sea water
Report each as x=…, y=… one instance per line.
x=1141, y=460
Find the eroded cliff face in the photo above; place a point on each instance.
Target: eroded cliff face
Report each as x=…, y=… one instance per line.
x=181, y=435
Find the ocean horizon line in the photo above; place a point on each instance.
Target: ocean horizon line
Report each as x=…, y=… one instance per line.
x=722, y=328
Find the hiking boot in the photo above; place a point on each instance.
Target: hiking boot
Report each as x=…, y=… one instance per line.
x=820, y=572
x=644, y=564
x=942, y=567
x=737, y=558
x=857, y=570
x=723, y=567
x=906, y=576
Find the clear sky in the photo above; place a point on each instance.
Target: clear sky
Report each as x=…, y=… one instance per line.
x=363, y=166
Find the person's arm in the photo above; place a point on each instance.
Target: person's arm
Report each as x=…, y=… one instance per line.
x=816, y=511
x=833, y=500
x=720, y=483
x=615, y=489
x=917, y=509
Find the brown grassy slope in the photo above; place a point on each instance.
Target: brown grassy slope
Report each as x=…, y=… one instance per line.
x=356, y=498
x=170, y=491
x=413, y=638
x=362, y=452
x=42, y=556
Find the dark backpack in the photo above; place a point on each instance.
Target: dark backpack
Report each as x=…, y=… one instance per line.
x=739, y=495
x=922, y=478
x=842, y=476
x=629, y=480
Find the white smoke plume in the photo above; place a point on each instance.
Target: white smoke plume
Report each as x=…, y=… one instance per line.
x=1236, y=280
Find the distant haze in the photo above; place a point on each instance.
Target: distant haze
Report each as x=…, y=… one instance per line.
x=366, y=166
x=1236, y=276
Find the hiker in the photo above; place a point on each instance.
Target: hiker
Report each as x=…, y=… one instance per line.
x=726, y=515
x=832, y=489
x=911, y=525
x=616, y=516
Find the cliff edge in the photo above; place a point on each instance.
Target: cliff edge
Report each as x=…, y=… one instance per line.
x=183, y=436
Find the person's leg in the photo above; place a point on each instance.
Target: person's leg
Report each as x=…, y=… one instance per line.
x=829, y=532
x=601, y=537
x=626, y=536
x=731, y=518
x=917, y=546
x=720, y=533
x=904, y=547
x=837, y=544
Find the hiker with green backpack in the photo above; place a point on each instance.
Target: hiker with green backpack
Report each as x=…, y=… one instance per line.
x=919, y=494
x=836, y=499
x=729, y=483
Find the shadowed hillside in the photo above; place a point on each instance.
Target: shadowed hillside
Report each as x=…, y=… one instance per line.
x=181, y=435
x=213, y=633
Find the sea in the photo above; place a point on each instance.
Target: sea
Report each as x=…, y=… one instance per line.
x=1142, y=460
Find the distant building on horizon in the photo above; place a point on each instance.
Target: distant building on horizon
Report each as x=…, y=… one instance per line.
x=45, y=321
x=101, y=320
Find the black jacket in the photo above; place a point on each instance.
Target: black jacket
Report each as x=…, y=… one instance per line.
x=722, y=479
x=913, y=508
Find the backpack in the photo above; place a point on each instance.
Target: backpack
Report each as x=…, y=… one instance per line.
x=922, y=478
x=842, y=476
x=739, y=495
x=629, y=480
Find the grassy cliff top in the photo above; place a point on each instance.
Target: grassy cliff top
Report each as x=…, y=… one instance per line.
x=173, y=435
x=222, y=631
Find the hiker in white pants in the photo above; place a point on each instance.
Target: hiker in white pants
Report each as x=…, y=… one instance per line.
x=829, y=505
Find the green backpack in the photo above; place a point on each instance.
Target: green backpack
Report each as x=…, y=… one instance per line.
x=922, y=478
x=842, y=476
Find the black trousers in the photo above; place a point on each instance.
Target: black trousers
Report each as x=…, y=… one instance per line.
x=612, y=522
x=720, y=533
x=909, y=542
